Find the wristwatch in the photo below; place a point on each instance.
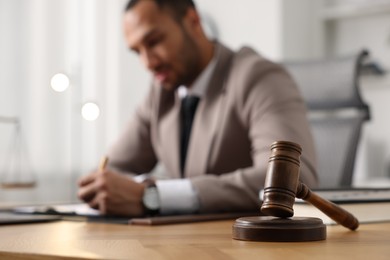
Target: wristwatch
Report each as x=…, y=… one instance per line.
x=151, y=198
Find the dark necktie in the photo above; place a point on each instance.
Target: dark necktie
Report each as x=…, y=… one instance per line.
x=188, y=109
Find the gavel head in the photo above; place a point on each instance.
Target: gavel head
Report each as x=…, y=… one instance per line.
x=282, y=179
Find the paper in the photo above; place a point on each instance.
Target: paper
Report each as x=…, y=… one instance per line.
x=79, y=209
x=354, y=195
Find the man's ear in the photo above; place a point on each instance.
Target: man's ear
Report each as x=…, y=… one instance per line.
x=192, y=19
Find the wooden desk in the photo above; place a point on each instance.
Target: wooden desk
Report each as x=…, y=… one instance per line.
x=208, y=240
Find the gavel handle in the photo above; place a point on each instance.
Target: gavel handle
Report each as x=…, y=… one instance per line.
x=335, y=212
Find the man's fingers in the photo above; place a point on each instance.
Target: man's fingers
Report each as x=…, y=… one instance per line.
x=102, y=197
x=88, y=192
x=85, y=180
x=99, y=202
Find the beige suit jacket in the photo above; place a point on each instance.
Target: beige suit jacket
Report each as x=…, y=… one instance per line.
x=250, y=103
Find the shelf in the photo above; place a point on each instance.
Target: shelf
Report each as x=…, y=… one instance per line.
x=358, y=10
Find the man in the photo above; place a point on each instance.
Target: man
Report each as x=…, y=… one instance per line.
x=244, y=103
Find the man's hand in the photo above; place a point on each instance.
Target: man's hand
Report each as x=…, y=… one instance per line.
x=112, y=193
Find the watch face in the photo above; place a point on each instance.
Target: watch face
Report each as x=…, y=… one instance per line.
x=151, y=199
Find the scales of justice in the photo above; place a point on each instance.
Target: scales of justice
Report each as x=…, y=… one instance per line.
x=16, y=172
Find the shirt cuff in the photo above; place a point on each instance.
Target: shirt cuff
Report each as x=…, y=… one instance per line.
x=177, y=197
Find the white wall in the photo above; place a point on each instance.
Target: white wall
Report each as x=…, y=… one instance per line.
x=9, y=57
x=303, y=32
x=9, y=78
x=247, y=22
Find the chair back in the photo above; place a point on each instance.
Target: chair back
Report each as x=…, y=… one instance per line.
x=336, y=113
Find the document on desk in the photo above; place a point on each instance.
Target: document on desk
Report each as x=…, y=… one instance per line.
x=7, y=218
x=72, y=212
x=367, y=205
x=79, y=209
x=355, y=195
x=88, y=214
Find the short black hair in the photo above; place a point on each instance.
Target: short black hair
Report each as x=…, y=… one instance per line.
x=178, y=7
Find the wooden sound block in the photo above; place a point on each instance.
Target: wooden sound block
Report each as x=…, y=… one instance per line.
x=272, y=229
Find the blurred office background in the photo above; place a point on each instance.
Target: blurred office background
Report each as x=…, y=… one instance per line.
x=58, y=55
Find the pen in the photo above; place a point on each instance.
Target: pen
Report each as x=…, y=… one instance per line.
x=102, y=166
x=103, y=163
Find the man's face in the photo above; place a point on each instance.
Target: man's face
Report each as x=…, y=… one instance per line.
x=165, y=47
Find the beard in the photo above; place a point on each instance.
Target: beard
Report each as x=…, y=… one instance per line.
x=189, y=58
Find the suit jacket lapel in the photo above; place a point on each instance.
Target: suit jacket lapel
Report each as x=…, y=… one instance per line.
x=207, y=117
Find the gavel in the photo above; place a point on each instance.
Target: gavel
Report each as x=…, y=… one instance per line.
x=282, y=186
